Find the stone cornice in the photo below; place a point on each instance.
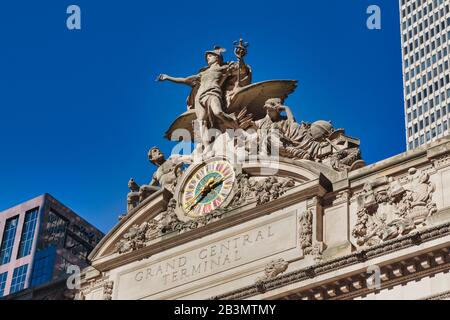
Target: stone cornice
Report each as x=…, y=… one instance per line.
x=338, y=263
x=416, y=157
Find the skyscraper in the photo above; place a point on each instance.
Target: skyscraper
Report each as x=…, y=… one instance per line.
x=40, y=238
x=425, y=38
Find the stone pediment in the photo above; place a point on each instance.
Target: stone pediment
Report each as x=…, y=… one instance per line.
x=152, y=226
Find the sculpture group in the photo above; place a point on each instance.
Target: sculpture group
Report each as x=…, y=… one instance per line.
x=223, y=99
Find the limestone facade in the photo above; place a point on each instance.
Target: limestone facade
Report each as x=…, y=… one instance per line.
x=323, y=237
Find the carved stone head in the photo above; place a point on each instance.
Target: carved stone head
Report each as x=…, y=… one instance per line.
x=215, y=56
x=156, y=156
x=273, y=108
x=273, y=104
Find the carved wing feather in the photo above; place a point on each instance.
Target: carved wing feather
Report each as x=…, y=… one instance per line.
x=184, y=121
x=255, y=95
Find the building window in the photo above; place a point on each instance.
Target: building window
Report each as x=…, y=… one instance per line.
x=44, y=261
x=76, y=248
x=8, y=240
x=55, y=229
x=18, y=280
x=3, y=277
x=26, y=240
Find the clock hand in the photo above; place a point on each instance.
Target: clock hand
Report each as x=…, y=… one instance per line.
x=188, y=203
x=206, y=189
x=209, y=186
x=203, y=195
x=217, y=183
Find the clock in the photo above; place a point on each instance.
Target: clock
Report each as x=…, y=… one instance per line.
x=207, y=187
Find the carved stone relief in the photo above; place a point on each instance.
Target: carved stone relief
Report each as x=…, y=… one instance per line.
x=271, y=271
x=101, y=283
x=309, y=247
x=392, y=209
x=108, y=290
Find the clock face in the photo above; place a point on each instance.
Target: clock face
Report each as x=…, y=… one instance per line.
x=207, y=188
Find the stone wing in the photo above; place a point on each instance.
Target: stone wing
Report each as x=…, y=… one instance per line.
x=252, y=97
x=255, y=95
x=183, y=121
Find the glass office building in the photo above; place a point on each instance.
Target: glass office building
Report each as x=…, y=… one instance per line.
x=40, y=238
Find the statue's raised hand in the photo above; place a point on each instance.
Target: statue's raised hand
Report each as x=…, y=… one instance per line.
x=162, y=77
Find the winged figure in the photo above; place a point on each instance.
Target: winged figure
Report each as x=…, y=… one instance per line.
x=220, y=93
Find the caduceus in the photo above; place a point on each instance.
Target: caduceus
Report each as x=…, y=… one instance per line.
x=240, y=51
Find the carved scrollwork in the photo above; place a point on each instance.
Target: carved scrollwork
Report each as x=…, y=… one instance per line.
x=391, y=209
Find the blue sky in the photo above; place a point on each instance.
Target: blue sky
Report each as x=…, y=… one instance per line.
x=80, y=109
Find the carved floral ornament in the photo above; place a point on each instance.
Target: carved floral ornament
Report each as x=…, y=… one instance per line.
x=394, y=207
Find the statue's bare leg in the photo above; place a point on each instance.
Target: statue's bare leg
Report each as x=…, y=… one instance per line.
x=201, y=128
x=216, y=109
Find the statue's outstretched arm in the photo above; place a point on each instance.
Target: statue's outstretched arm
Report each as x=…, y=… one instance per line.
x=180, y=159
x=190, y=81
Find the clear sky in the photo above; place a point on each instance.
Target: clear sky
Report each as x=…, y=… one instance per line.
x=80, y=109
